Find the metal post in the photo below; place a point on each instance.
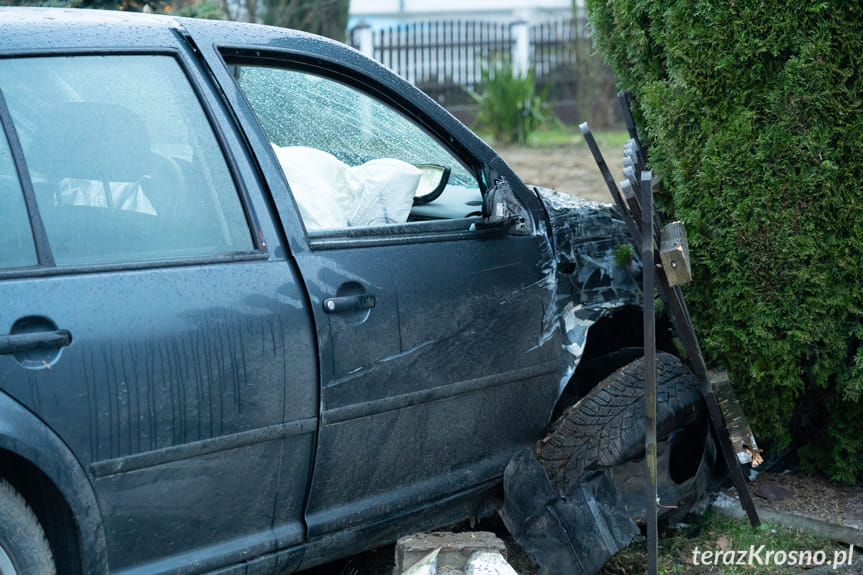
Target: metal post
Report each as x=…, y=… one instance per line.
x=672, y=297
x=647, y=277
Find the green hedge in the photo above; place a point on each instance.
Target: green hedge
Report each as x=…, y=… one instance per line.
x=753, y=112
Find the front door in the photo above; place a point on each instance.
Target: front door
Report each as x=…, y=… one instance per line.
x=434, y=369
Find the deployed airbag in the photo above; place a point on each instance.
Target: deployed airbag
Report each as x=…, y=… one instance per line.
x=333, y=195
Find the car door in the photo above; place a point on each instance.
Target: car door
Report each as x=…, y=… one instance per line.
x=434, y=368
x=154, y=323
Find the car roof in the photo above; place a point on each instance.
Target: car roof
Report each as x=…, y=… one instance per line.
x=57, y=29
x=60, y=31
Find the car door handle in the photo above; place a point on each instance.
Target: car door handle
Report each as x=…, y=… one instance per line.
x=20, y=342
x=349, y=303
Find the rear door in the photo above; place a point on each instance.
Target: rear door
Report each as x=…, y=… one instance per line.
x=154, y=323
x=434, y=368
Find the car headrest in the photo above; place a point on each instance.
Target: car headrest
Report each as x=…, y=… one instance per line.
x=90, y=141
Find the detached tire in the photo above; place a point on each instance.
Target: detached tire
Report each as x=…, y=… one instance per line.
x=24, y=550
x=606, y=429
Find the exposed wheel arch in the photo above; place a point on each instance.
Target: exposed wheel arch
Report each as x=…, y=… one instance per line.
x=614, y=340
x=51, y=509
x=623, y=328
x=26, y=441
x=605, y=430
x=24, y=550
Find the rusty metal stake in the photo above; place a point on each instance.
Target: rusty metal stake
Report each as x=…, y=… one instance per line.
x=672, y=298
x=647, y=250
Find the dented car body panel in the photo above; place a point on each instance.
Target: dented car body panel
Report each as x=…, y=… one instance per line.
x=258, y=395
x=585, y=274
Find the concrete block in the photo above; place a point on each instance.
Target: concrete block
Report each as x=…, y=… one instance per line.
x=455, y=548
x=425, y=566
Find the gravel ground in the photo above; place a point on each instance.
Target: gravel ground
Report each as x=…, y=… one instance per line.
x=810, y=495
x=568, y=168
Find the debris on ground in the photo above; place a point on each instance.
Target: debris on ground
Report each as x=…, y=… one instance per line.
x=812, y=495
x=446, y=553
x=577, y=533
x=778, y=512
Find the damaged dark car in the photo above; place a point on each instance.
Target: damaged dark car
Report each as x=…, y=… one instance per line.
x=267, y=305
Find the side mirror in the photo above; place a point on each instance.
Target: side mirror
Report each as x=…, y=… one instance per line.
x=432, y=183
x=500, y=207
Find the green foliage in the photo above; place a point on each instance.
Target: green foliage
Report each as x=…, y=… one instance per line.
x=509, y=104
x=210, y=10
x=754, y=116
x=623, y=254
x=712, y=531
x=596, y=96
x=128, y=5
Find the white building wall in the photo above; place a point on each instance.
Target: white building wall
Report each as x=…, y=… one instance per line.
x=390, y=12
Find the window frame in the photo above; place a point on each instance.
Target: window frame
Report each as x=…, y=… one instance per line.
x=390, y=234
x=46, y=265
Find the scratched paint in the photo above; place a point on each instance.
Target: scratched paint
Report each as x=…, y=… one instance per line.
x=582, y=274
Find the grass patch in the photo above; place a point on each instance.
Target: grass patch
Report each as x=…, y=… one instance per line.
x=563, y=135
x=715, y=532
x=572, y=135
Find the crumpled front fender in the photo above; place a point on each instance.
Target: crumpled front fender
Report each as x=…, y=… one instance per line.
x=591, y=267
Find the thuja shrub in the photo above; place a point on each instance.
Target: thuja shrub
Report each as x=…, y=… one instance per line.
x=753, y=112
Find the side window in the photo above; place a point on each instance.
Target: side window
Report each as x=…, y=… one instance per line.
x=16, y=240
x=352, y=161
x=124, y=163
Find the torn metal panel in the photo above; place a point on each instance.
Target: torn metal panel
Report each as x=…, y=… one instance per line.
x=583, y=273
x=575, y=534
x=739, y=431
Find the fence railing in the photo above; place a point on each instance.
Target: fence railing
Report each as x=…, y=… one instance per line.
x=553, y=56
x=445, y=58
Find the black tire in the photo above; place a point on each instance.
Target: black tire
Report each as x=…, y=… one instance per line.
x=24, y=550
x=606, y=429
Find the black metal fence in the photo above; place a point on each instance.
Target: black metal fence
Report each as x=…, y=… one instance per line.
x=553, y=57
x=445, y=58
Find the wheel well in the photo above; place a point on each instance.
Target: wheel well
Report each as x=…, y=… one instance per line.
x=50, y=507
x=624, y=328
x=613, y=341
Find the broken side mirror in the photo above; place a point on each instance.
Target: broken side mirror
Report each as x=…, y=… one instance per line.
x=500, y=207
x=433, y=180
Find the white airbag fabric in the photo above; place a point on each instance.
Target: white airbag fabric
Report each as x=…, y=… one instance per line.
x=333, y=195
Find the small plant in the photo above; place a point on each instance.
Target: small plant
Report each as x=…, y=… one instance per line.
x=623, y=254
x=509, y=104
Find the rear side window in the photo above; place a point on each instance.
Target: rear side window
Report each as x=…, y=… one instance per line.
x=124, y=163
x=16, y=240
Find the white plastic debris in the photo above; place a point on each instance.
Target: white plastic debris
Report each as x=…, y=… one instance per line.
x=488, y=563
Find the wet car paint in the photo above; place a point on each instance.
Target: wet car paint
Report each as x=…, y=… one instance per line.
x=303, y=397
